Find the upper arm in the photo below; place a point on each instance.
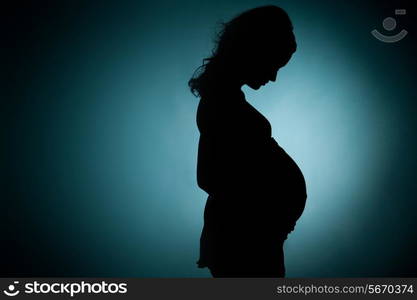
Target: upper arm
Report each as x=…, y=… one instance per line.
x=226, y=155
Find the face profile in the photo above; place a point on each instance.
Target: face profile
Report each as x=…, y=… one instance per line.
x=266, y=71
x=250, y=49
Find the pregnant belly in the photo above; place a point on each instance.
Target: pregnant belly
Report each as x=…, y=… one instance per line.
x=287, y=184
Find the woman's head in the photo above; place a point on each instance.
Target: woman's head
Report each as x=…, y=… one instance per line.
x=249, y=50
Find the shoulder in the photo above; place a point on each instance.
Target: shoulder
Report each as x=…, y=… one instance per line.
x=217, y=114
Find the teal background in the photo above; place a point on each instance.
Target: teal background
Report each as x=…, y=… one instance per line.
x=101, y=140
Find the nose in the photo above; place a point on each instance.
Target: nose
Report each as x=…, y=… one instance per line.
x=273, y=76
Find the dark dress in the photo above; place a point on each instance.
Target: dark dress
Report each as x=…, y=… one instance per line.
x=256, y=191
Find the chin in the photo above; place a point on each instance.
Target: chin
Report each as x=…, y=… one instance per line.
x=255, y=86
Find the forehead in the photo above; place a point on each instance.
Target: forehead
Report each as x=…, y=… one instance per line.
x=284, y=43
x=278, y=58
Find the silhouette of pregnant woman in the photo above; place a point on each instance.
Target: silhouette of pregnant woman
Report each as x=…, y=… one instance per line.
x=256, y=191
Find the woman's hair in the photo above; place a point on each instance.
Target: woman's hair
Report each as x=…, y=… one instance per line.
x=262, y=32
